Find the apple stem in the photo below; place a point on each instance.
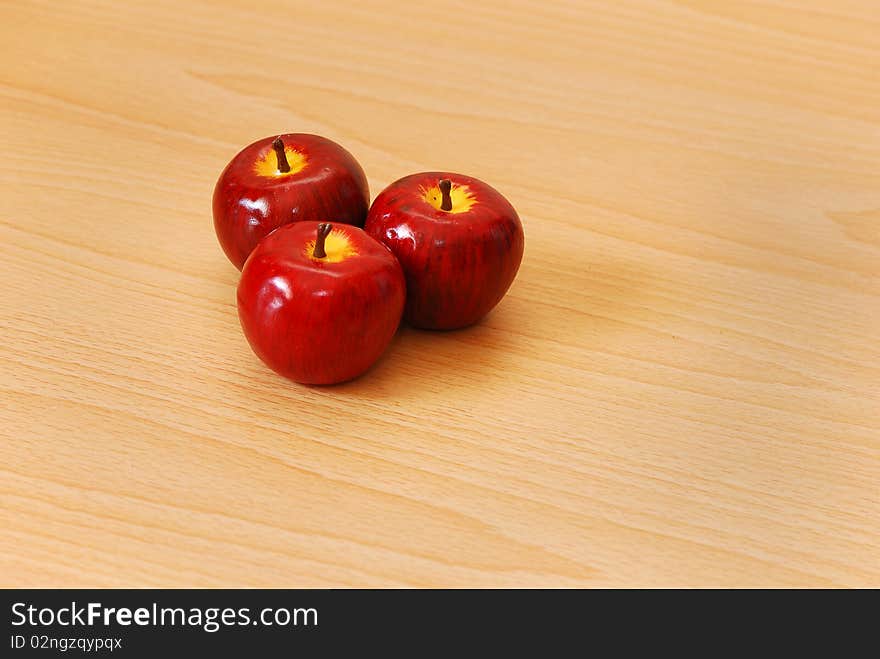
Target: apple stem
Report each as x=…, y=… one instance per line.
x=323, y=230
x=283, y=165
x=445, y=186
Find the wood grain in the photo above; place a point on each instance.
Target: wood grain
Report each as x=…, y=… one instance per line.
x=680, y=389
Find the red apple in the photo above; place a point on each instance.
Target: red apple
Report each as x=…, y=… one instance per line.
x=284, y=179
x=319, y=303
x=459, y=241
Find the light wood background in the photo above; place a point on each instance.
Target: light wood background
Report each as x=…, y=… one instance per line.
x=681, y=388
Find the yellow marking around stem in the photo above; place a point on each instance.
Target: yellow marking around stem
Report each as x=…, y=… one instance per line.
x=267, y=164
x=462, y=198
x=338, y=247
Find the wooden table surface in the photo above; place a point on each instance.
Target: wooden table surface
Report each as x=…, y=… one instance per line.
x=680, y=389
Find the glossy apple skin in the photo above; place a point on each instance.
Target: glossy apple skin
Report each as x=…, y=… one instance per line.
x=318, y=322
x=248, y=206
x=457, y=266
